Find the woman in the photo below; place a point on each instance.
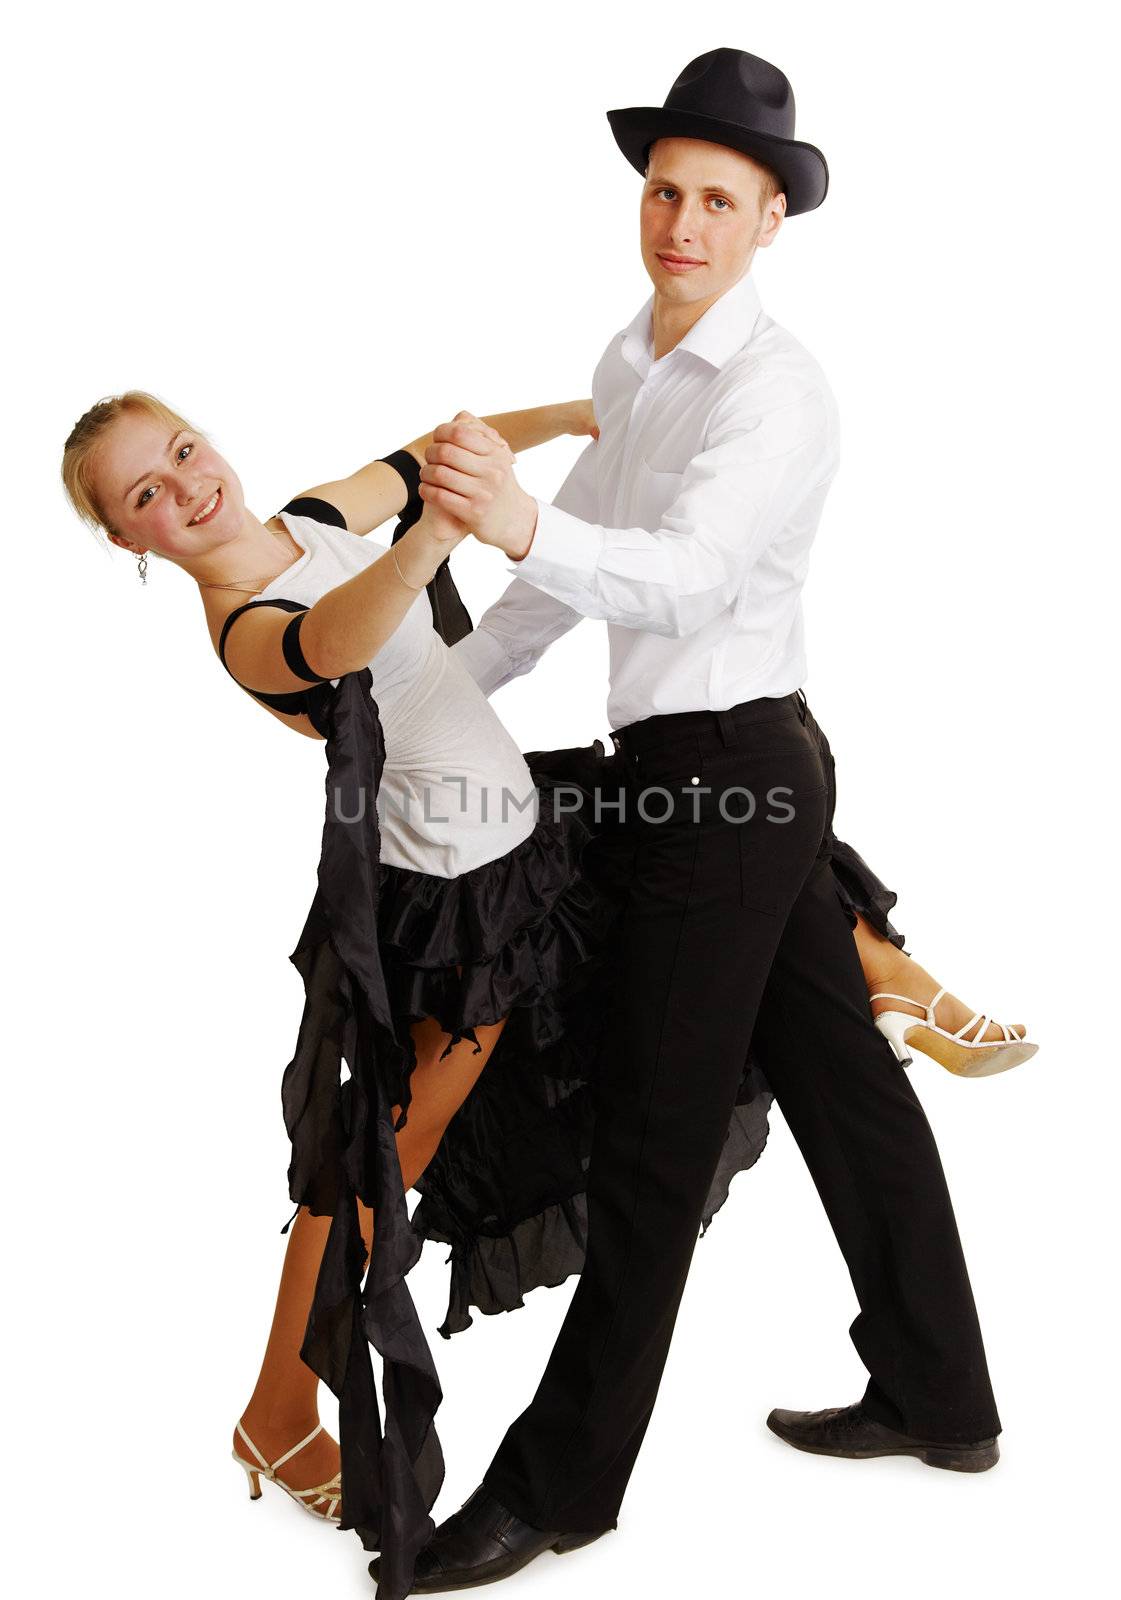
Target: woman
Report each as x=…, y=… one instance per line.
x=452, y=932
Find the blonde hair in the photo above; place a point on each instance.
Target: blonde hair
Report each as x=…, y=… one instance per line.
x=770, y=184
x=80, y=450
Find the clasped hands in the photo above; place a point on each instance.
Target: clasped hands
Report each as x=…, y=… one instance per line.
x=469, y=476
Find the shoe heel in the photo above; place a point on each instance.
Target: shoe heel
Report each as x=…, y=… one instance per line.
x=574, y=1541
x=967, y=1458
x=254, y=1478
x=894, y=1025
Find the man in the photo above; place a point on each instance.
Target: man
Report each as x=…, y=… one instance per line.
x=687, y=526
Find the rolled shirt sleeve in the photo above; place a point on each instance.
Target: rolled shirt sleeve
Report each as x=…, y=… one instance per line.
x=767, y=445
x=514, y=633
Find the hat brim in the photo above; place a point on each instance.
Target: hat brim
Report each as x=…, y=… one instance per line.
x=801, y=167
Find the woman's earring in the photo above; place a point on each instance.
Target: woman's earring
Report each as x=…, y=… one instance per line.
x=142, y=566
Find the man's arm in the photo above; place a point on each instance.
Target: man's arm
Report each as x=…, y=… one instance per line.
x=769, y=443
x=512, y=636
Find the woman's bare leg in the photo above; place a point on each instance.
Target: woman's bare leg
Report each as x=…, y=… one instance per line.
x=888, y=969
x=284, y=1406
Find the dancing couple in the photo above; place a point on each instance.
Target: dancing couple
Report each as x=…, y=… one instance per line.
x=563, y=1023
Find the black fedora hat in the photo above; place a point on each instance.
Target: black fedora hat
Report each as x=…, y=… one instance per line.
x=733, y=98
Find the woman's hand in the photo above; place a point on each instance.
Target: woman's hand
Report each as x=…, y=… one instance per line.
x=425, y=547
x=580, y=418
x=440, y=527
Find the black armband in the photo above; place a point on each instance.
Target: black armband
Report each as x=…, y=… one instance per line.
x=407, y=468
x=310, y=505
x=293, y=652
x=450, y=616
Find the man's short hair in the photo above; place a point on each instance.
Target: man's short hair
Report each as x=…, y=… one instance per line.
x=771, y=184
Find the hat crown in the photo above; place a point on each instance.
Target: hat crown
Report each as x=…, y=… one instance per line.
x=738, y=86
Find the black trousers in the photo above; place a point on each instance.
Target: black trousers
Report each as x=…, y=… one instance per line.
x=729, y=928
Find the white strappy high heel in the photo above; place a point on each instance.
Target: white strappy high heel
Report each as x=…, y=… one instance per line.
x=327, y=1495
x=968, y=1057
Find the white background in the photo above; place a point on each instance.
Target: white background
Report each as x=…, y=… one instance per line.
x=318, y=230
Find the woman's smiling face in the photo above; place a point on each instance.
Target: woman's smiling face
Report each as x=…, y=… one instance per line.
x=172, y=493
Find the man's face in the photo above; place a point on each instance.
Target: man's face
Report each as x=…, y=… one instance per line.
x=700, y=218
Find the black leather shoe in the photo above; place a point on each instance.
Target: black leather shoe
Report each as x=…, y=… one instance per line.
x=482, y=1543
x=846, y=1431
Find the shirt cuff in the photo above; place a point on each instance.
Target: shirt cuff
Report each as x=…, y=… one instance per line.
x=484, y=658
x=564, y=555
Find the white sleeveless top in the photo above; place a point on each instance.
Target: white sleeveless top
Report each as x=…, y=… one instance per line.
x=455, y=792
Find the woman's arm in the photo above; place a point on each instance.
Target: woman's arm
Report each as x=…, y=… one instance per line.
x=346, y=627
x=524, y=429
x=376, y=492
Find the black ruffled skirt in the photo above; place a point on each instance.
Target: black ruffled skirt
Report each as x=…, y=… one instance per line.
x=527, y=938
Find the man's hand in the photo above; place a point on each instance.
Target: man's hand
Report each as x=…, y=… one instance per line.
x=469, y=474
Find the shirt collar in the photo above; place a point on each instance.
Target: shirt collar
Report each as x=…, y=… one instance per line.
x=725, y=328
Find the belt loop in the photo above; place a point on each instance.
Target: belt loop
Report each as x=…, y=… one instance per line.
x=803, y=704
x=726, y=727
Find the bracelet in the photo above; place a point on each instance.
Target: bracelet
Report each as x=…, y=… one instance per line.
x=415, y=587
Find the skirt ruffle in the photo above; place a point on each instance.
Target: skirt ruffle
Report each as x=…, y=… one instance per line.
x=344, y=1151
x=860, y=891
x=503, y=940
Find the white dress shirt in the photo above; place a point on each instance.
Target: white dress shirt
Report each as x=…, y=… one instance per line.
x=687, y=527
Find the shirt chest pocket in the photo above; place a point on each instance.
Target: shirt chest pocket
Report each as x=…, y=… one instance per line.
x=655, y=489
